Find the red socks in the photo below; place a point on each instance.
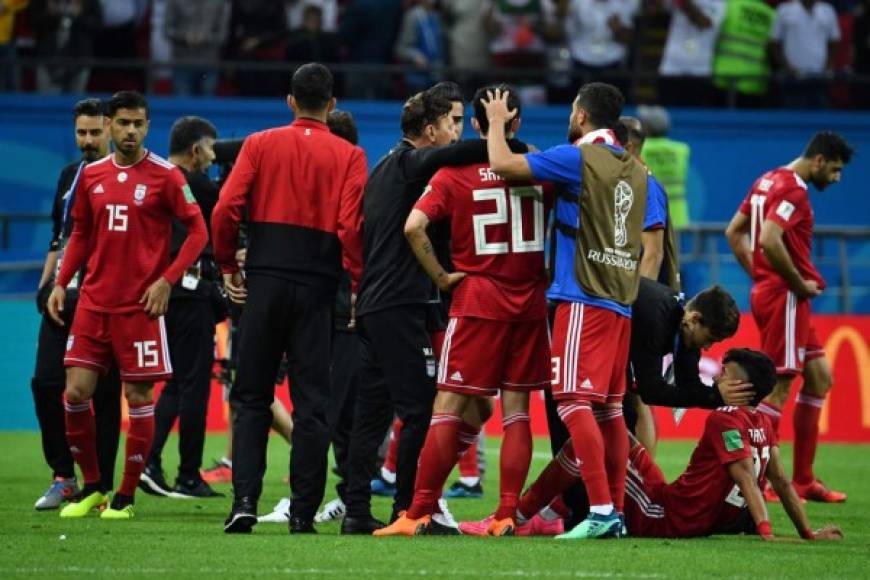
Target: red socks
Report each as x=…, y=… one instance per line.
x=560, y=474
x=393, y=446
x=468, y=466
x=515, y=458
x=773, y=413
x=615, y=437
x=588, y=446
x=140, y=434
x=807, y=410
x=437, y=459
x=81, y=434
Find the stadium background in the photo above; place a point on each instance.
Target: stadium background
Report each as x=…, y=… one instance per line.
x=729, y=150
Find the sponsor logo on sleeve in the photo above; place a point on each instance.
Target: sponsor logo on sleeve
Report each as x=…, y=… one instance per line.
x=733, y=440
x=188, y=195
x=785, y=209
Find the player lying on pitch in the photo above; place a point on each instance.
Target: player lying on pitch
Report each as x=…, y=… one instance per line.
x=722, y=481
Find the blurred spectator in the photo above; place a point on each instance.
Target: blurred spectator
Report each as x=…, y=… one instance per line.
x=687, y=61
x=8, y=55
x=66, y=29
x=421, y=45
x=119, y=39
x=516, y=29
x=328, y=14
x=467, y=43
x=258, y=32
x=668, y=160
x=311, y=42
x=740, y=59
x=360, y=19
x=599, y=32
x=804, y=39
x=197, y=30
x=159, y=47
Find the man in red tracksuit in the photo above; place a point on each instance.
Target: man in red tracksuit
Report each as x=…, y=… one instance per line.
x=302, y=187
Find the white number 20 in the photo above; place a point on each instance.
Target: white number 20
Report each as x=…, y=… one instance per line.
x=500, y=216
x=146, y=353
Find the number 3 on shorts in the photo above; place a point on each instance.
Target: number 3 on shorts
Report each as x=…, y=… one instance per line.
x=146, y=353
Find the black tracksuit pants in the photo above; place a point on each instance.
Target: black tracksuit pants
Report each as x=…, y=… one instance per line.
x=190, y=330
x=48, y=384
x=344, y=382
x=283, y=316
x=397, y=376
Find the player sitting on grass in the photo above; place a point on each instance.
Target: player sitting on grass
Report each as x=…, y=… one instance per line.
x=738, y=449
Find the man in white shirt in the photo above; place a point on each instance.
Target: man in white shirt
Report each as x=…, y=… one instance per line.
x=599, y=33
x=687, y=60
x=804, y=37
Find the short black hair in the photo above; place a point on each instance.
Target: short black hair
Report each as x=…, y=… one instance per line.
x=513, y=102
x=719, y=312
x=602, y=102
x=187, y=131
x=831, y=146
x=88, y=108
x=311, y=86
x=341, y=124
x=759, y=369
x=632, y=131
x=127, y=100
x=449, y=90
x=424, y=108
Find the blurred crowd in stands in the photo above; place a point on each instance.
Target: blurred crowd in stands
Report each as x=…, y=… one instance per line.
x=794, y=53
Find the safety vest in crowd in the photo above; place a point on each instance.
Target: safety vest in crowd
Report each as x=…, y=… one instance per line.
x=742, y=46
x=668, y=160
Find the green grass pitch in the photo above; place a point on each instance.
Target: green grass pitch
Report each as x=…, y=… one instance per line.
x=184, y=538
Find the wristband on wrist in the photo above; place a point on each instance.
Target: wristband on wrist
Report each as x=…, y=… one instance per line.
x=808, y=534
x=764, y=528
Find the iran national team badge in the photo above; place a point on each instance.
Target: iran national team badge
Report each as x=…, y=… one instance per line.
x=122, y=177
x=139, y=193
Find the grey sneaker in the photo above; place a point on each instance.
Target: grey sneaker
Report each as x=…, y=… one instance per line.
x=61, y=490
x=332, y=511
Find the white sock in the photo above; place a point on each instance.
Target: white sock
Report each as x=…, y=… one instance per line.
x=549, y=514
x=388, y=476
x=469, y=481
x=602, y=510
x=227, y=462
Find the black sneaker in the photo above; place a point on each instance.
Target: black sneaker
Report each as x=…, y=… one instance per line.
x=194, y=487
x=460, y=490
x=152, y=481
x=243, y=516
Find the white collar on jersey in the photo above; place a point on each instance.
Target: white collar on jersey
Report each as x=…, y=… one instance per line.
x=605, y=136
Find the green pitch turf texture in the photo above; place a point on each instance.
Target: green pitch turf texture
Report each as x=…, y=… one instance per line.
x=184, y=538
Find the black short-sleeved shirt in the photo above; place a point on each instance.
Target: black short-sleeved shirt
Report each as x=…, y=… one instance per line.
x=206, y=193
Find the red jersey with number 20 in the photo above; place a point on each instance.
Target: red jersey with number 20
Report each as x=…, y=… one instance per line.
x=123, y=216
x=781, y=196
x=705, y=498
x=497, y=233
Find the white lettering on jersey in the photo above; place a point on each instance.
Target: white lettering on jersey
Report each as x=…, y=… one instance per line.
x=487, y=174
x=785, y=209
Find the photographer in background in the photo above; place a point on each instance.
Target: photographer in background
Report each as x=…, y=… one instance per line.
x=196, y=304
x=49, y=377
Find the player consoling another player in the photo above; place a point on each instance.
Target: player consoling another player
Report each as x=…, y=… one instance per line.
x=467, y=218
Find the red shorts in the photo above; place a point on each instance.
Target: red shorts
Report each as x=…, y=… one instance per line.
x=134, y=341
x=481, y=356
x=590, y=353
x=787, y=333
x=644, y=482
x=437, y=338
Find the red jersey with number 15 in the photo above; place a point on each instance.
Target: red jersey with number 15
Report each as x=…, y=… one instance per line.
x=781, y=196
x=497, y=234
x=123, y=215
x=705, y=498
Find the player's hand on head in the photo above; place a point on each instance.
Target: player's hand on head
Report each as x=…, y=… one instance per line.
x=496, y=106
x=448, y=281
x=55, y=304
x=735, y=392
x=156, y=298
x=829, y=532
x=235, y=287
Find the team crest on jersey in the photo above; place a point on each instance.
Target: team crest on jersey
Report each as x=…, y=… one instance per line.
x=139, y=193
x=122, y=177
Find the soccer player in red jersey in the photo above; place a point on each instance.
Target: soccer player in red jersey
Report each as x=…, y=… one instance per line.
x=771, y=236
x=122, y=218
x=736, y=452
x=497, y=337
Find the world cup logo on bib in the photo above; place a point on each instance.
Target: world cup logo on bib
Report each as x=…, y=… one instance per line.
x=623, y=198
